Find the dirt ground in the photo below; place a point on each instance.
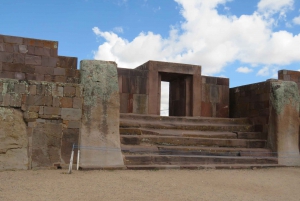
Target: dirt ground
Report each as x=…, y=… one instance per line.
x=260, y=184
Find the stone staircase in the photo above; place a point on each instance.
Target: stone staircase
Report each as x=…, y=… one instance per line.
x=156, y=142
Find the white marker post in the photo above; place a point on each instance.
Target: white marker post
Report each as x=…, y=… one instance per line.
x=78, y=156
x=71, y=161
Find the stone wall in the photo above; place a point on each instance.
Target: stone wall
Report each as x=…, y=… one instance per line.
x=52, y=113
x=289, y=75
x=251, y=101
x=133, y=90
x=33, y=59
x=215, y=97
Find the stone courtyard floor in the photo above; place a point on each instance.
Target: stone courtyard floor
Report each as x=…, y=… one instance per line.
x=259, y=184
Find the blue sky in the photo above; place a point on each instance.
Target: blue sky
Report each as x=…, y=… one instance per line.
x=247, y=41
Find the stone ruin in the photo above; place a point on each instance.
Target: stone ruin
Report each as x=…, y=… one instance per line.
x=47, y=105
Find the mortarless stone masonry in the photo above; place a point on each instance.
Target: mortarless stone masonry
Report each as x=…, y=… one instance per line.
x=47, y=105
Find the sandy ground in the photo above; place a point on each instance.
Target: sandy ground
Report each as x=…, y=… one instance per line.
x=260, y=184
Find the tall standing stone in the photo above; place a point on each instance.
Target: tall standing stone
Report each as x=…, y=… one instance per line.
x=13, y=140
x=100, y=138
x=284, y=122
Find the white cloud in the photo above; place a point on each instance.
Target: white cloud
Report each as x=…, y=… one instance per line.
x=275, y=6
x=119, y=29
x=296, y=20
x=209, y=39
x=264, y=71
x=268, y=71
x=244, y=70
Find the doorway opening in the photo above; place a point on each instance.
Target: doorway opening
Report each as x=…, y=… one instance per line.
x=164, y=98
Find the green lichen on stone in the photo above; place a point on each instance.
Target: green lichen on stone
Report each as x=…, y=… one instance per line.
x=6, y=113
x=99, y=79
x=284, y=93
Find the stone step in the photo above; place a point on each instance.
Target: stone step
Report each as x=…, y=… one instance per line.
x=251, y=135
x=192, y=160
x=172, y=132
x=201, y=151
x=190, y=141
x=200, y=167
x=168, y=119
x=187, y=126
x=191, y=133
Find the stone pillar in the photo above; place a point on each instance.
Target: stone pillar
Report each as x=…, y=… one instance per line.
x=100, y=138
x=283, y=135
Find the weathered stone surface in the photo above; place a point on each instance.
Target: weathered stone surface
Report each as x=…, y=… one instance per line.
x=13, y=140
x=140, y=103
x=284, y=123
x=71, y=114
x=100, y=122
x=70, y=137
x=46, y=144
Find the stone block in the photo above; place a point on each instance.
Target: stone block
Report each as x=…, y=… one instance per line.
x=42, y=51
x=40, y=89
x=46, y=144
x=39, y=77
x=79, y=91
x=38, y=100
x=206, y=109
x=19, y=76
x=283, y=132
x=11, y=67
x=66, y=102
x=49, y=78
x=2, y=47
x=52, y=111
x=33, y=60
x=49, y=61
x=59, y=71
x=60, y=78
x=15, y=100
x=53, y=52
x=23, y=49
x=34, y=109
x=74, y=124
x=28, y=69
x=1, y=67
x=67, y=62
x=77, y=103
x=12, y=39
x=140, y=103
x=44, y=70
x=72, y=80
x=6, y=74
x=29, y=116
x=6, y=100
x=19, y=58
x=56, y=102
x=214, y=94
x=8, y=47
x=6, y=57
x=14, y=140
x=69, y=91
x=70, y=72
x=32, y=89
x=30, y=76
x=100, y=123
x=58, y=91
x=70, y=137
x=71, y=114
x=20, y=88
x=30, y=49
x=124, y=102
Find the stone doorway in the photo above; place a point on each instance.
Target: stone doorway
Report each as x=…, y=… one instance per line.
x=180, y=93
